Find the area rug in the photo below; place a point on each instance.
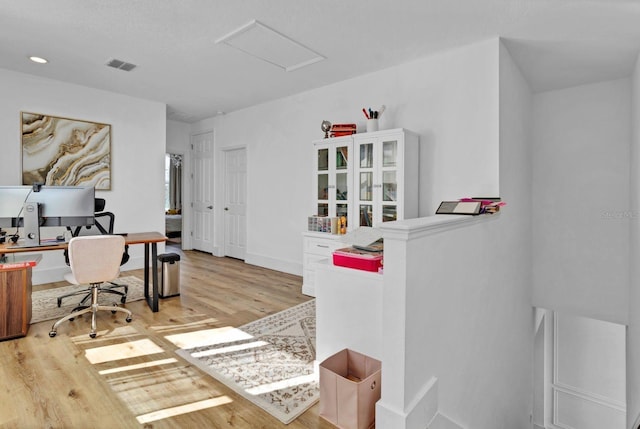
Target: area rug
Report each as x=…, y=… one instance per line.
x=270, y=361
x=44, y=303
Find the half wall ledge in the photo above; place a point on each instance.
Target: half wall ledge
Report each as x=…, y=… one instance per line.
x=409, y=229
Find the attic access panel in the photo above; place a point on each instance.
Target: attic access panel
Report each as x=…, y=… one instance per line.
x=262, y=42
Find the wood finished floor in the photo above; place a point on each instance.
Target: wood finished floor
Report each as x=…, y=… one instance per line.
x=50, y=382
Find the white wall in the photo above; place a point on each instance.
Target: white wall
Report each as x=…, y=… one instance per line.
x=448, y=99
x=458, y=313
x=588, y=356
x=633, y=330
x=457, y=297
x=138, y=130
x=580, y=195
x=178, y=137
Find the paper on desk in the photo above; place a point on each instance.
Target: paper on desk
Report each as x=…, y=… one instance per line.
x=362, y=236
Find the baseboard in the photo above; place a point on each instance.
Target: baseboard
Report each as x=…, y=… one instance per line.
x=423, y=408
x=289, y=267
x=309, y=290
x=440, y=421
x=49, y=275
x=42, y=274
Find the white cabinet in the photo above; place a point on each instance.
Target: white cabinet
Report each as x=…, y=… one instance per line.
x=317, y=248
x=370, y=178
x=333, y=180
x=385, y=176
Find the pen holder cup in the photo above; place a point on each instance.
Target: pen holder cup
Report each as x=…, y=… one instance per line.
x=372, y=125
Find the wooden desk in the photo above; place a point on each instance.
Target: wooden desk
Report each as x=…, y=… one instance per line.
x=15, y=296
x=150, y=241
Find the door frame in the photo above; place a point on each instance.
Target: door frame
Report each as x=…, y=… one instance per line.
x=186, y=196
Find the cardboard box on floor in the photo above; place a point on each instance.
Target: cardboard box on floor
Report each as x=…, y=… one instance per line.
x=349, y=389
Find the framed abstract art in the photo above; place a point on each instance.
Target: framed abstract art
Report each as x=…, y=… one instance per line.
x=65, y=152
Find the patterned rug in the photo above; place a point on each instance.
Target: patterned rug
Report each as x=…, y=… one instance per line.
x=44, y=303
x=270, y=361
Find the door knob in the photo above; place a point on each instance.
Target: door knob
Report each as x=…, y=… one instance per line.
x=209, y=207
x=226, y=208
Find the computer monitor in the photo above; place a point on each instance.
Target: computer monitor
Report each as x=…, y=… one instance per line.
x=32, y=207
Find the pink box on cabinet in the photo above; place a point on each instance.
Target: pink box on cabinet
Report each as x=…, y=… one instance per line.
x=357, y=259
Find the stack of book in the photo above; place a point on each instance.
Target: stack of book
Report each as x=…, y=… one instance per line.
x=489, y=205
x=339, y=130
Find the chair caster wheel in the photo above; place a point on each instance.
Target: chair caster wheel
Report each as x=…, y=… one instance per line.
x=52, y=333
x=128, y=319
x=123, y=299
x=113, y=312
x=92, y=335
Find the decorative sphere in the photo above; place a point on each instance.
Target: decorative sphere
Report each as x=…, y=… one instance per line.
x=326, y=126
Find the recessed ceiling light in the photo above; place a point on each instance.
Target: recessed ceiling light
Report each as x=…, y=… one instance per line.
x=39, y=60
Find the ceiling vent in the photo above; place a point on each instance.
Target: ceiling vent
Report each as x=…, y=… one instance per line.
x=266, y=44
x=121, y=65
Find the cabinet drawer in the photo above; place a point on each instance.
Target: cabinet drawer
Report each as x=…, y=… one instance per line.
x=310, y=259
x=320, y=247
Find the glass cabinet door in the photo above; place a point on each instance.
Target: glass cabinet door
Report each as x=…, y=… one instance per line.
x=366, y=155
x=366, y=215
x=389, y=153
x=366, y=186
x=342, y=186
x=342, y=157
x=323, y=187
x=389, y=186
x=378, y=178
x=342, y=180
x=389, y=181
x=333, y=178
x=323, y=159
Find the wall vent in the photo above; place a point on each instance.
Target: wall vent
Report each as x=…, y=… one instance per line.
x=121, y=65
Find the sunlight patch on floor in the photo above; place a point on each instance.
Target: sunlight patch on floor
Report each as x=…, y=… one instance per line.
x=208, y=337
x=138, y=366
x=176, y=327
x=105, y=335
x=230, y=349
x=303, y=379
x=183, y=409
x=124, y=350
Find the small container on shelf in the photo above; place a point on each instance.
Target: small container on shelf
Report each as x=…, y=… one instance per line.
x=350, y=257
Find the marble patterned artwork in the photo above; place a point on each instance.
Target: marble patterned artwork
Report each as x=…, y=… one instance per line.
x=65, y=152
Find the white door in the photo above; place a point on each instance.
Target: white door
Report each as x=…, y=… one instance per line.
x=202, y=206
x=585, y=371
x=235, y=197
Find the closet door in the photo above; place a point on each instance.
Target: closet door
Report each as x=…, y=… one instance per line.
x=235, y=197
x=202, y=205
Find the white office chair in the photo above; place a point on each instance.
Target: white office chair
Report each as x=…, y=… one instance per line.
x=94, y=260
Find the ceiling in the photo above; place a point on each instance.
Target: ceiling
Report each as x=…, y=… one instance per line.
x=557, y=43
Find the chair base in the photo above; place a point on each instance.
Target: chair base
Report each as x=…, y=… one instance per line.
x=93, y=309
x=87, y=295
